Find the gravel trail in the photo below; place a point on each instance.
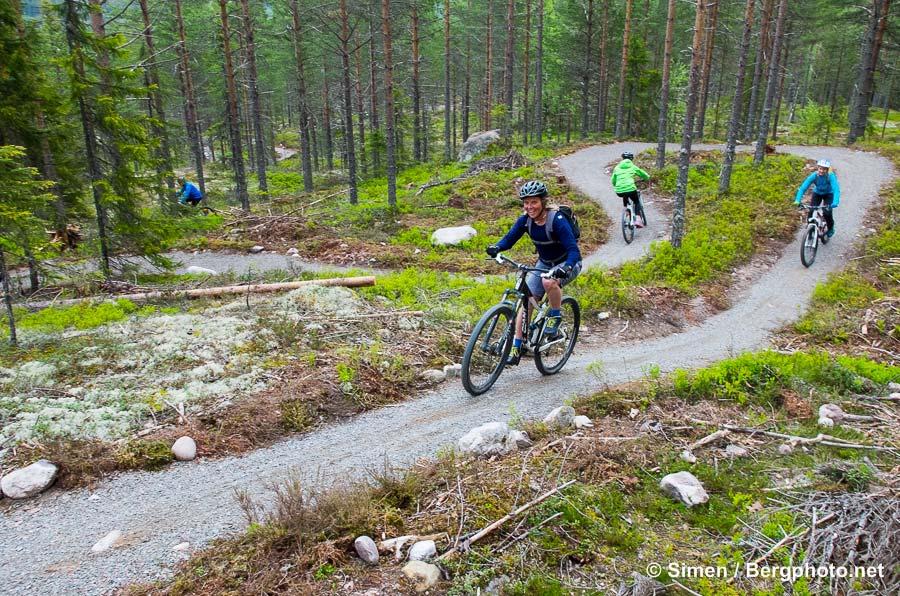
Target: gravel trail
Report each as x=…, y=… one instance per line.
x=45, y=548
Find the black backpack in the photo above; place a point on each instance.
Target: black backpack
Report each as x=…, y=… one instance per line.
x=551, y=216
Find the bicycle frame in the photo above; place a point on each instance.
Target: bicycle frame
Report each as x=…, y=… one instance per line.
x=524, y=299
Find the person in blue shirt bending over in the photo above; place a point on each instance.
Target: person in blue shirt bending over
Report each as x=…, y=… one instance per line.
x=825, y=191
x=557, y=250
x=189, y=193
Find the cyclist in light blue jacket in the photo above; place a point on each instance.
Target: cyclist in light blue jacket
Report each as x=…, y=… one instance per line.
x=826, y=190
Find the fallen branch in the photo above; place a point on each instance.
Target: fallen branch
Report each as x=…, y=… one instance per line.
x=821, y=439
x=395, y=545
x=719, y=434
x=487, y=530
x=349, y=282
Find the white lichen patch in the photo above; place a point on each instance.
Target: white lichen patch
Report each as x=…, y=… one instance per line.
x=334, y=301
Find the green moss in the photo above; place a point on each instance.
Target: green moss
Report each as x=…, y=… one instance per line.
x=144, y=455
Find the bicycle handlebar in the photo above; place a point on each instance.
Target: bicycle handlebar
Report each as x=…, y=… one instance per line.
x=504, y=260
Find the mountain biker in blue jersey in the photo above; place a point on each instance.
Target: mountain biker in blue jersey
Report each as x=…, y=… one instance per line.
x=826, y=191
x=557, y=251
x=189, y=193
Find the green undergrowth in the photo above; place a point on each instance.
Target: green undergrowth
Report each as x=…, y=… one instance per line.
x=55, y=319
x=721, y=231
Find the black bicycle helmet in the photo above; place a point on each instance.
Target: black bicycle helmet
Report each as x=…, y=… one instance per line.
x=628, y=155
x=533, y=188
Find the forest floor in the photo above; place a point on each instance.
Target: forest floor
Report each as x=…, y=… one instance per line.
x=446, y=414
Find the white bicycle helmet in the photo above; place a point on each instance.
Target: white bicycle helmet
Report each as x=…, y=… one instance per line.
x=823, y=163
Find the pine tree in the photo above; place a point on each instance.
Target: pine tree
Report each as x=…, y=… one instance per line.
x=620, y=106
x=237, y=154
x=737, y=104
x=253, y=89
x=664, y=94
x=760, y=152
x=303, y=107
x=389, y=103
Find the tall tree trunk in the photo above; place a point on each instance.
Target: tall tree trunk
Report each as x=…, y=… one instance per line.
x=302, y=102
x=770, y=86
x=467, y=96
x=737, y=104
x=191, y=122
x=837, y=79
x=158, y=123
x=764, y=24
x=722, y=59
x=7, y=300
x=447, y=147
x=255, y=107
x=539, y=75
x=620, y=108
x=586, y=73
x=389, y=103
x=489, y=68
x=685, y=153
x=782, y=72
x=348, y=105
x=326, y=115
x=604, y=72
x=73, y=29
x=526, y=123
x=360, y=110
x=373, y=84
x=237, y=155
x=664, y=94
x=707, y=65
x=868, y=61
x=508, y=66
x=416, y=95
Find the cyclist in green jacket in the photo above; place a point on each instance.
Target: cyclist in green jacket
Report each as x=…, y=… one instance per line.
x=623, y=183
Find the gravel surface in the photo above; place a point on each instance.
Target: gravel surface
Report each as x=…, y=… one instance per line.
x=46, y=546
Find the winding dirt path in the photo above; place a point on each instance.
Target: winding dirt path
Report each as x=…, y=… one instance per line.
x=46, y=547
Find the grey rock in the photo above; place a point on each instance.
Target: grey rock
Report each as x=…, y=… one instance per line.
x=602, y=316
x=733, y=450
x=292, y=252
x=519, y=439
x=892, y=386
x=29, y=481
x=107, y=542
x=785, y=449
x=425, y=575
x=452, y=236
x=433, y=375
x=651, y=426
x=562, y=417
x=184, y=449
x=422, y=550
x=485, y=440
x=366, y=549
x=496, y=586
x=477, y=143
x=684, y=487
x=688, y=456
x=452, y=370
x=831, y=411
x=257, y=249
x=583, y=422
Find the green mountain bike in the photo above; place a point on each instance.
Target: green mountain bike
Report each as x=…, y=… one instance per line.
x=492, y=337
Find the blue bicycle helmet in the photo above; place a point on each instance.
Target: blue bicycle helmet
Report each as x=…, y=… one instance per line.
x=533, y=188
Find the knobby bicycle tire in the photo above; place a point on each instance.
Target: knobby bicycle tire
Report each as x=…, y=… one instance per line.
x=627, y=226
x=809, y=246
x=570, y=324
x=490, y=351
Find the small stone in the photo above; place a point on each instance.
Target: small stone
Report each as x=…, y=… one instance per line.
x=563, y=416
x=257, y=249
x=892, y=386
x=633, y=413
x=422, y=550
x=417, y=251
x=519, y=439
x=195, y=270
x=451, y=371
x=688, y=456
x=831, y=411
x=107, y=542
x=826, y=422
x=184, y=449
x=433, y=375
x=895, y=395
x=651, y=426
x=181, y=547
x=452, y=236
x=684, y=487
x=583, y=422
x=733, y=450
x=29, y=481
x=425, y=575
x=366, y=549
x=602, y=316
x=485, y=440
x=292, y=252
x=785, y=449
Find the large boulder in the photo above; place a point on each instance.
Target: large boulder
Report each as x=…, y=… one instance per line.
x=477, y=143
x=452, y=236
x=684, y=487
x=485, y=440
x=29, y=481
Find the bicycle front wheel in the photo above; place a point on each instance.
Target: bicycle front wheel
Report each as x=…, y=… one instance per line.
x=488, y=347
x=627, y=226
x=810, y=246
x=551, y=356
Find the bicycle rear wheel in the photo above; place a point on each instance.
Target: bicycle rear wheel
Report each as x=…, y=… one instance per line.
x=550, y=357
x=810, y=246
x=627, y=226
x=488, y=347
